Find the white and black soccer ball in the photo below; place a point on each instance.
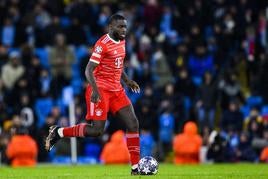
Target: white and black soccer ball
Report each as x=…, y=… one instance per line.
x=147, y=166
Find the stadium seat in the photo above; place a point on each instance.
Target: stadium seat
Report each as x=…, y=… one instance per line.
x=197, y=80
x=253, y=101
x=65, y=21
x=76, y=71
x=13, y=49
x=77, y=85
x=245, y=110
x=147, y=144
x=42, y=53
x=81, y=52
x=43, y=108
x=264, y=110
x=68, y=160
x=61, y=160
x=92, y=150
x=60, y=103
x=87, y=160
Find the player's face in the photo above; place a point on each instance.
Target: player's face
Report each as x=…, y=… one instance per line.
x=119, y=29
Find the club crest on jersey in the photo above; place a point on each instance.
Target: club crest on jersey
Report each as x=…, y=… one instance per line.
x=98, y=49
x=98, y=112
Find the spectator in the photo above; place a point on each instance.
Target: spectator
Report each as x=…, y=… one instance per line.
x=176, y=105
x=217, y=148
x=26, y=111
x=61, y=59
x=8, y=33
x=166, y=127
x=244, y=151
x=22, y=149
x=263, y=79
x=254, y=115
x=255, y=127
x=232, y=118
x=52, y=29
x=186, y=88
x=184, y=84
x=76, y=33
x=33, y=73
x=259, y=143
x=3, y=55
x=152, y=13
x=161, y=72
x=115, y=151
x=45, y=82
x=200, y=62
x=264, y=155
x=187, y=145
x=12, y=71
x=229, y=90
x=206, y=104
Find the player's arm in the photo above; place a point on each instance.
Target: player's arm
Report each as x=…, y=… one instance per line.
x=130, y=83
x=95, y=96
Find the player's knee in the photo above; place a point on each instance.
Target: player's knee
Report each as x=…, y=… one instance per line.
x=92, y=132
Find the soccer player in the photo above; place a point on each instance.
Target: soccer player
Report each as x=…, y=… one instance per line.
x=105, y=93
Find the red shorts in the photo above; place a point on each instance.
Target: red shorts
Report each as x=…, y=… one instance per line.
x=111, y=101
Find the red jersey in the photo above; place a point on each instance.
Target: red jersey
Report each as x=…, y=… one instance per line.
x=109, y=54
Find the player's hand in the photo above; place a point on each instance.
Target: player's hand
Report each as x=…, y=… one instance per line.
x=133, y=86
x=95, y=96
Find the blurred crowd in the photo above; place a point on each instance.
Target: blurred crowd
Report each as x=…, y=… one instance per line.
x=202, y=67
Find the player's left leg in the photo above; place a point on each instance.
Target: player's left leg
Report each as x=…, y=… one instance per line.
x=128, y=117
x=122, y=108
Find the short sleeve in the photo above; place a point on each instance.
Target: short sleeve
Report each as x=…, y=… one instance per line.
x=98, y=52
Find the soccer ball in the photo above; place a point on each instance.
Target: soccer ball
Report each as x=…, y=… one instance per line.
x=148, y=166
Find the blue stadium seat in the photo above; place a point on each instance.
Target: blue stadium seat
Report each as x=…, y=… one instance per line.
x=76, y=71
x=92, y=150
x=147, y=144
x=80, y=52
x=42, y=53
x=253, y=101
x=80, y=160
x=197, y=80
x=12, y=49
x=245, y=110
x=264, y=110
x=61, y=159
x=65, y=21
x=42, y=108
x=60, y=103
x=87, y=160
x=77, y=85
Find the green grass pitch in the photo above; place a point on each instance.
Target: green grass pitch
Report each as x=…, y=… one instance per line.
x=165, y=171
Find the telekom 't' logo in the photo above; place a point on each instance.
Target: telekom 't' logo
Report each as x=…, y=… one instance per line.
x=118, y=62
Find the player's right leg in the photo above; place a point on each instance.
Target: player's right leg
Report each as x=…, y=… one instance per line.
x=92, y=128
x=96, y=117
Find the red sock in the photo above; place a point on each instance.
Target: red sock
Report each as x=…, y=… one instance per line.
x=75, y=131
x=133, y=145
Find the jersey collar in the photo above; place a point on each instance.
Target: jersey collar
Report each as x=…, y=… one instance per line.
x=117, y=42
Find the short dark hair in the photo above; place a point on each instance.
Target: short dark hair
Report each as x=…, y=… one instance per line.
x=115, y=17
